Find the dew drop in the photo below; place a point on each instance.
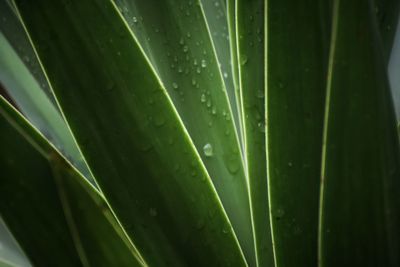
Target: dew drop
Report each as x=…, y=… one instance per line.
x=208, y=150
x=175, y=85
x=233, y=165
x=203, y=63
x=159, y=121
x=214, y=110
x=243, y=60
x=260, y=94
x=203, y=98
x=153, y=212
x=261, y=126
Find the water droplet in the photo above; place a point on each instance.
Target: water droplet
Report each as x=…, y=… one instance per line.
x=181, y=41
x=279, y=213
x=290, y=164
x=203, y=63
x=208, y=103
x=281, y=85
x=134, y=19
x=159, y=121
x=175, y=85
x=193, y=81
x=198, y=70
x=208, y=150
x=233, y=165
x=224, y=230
x=214, y=110
x=153, y=212
x=185, y=49
x=203, y=98
x=243, y=60
x=225, y=74
x=261, y=126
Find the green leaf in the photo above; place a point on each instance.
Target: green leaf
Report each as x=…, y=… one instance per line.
x=176, y=38
x=23, y=79
x=296, y=59
x=215, y=13
x=387, y=15
x=28, y=191
x=361, y=159
x=130, y=134
x=96, y=234
x=10, y=252
x=250, y=54
x=46, y=184
x=13, y=31
x=231, y=16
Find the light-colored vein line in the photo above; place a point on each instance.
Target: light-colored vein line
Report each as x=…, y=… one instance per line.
x=223, y=83
x=271, y=224
x=133, y=246
x=183, y=127
x=326, y=124
x=234, y=63
x=173, y=109
x=243, y=117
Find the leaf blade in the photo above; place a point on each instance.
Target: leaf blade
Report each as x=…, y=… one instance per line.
x=145, y=207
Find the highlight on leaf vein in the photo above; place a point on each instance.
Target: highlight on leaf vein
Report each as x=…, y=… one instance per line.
x=199, y=133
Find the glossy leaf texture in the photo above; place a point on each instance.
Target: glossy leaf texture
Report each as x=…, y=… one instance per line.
x=25, y=82
x=128, y=129
x=216, y=15
x=296, y=57
x=28, y=191
x=178, y=41
x=85, y=234
x=249, y=21
x=98, y=237
x=11, y=253
x=361, y=160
